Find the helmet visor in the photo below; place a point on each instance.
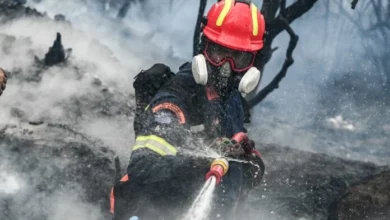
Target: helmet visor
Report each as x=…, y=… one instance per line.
x=239, y=60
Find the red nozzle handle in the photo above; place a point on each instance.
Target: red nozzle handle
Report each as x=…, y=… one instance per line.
x=216, y=171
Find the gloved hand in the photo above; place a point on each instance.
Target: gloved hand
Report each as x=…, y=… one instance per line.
x=238, y=146
x=256, y=167
x=228, y=147
x=3, y=80
x=247, y=144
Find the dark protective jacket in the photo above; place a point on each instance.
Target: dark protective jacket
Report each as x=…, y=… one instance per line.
x=164, y=176
x=194, y=105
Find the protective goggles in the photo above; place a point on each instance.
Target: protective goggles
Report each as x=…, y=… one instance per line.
x=239, y=60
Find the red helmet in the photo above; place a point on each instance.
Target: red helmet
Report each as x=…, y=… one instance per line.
x=235, y=25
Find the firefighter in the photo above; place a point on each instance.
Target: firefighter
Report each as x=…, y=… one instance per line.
x=3, y=80
x=163, y=176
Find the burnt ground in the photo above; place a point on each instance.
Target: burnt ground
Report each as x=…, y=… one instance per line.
x=297, y=184
x=303, y=185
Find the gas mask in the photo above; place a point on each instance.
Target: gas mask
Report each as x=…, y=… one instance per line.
x=224, y=76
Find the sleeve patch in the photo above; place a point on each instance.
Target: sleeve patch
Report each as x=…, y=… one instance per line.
x=172, y=107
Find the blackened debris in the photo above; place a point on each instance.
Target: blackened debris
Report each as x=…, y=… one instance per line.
x=56, y=53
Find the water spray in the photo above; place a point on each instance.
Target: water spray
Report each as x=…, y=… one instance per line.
x=201, y=207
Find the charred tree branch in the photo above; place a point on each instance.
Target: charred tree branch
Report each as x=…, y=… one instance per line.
x=118, y=173
x=292, y=12
x=198, y=26
x=124, y=9
x=353, y=4
x=269, y=9
x=298, y=8
x=274, y=84
x=283, y=7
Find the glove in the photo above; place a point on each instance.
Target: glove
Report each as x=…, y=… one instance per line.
x=247, y=144
x=3, y=80
x=228, y=147
x=256, y=167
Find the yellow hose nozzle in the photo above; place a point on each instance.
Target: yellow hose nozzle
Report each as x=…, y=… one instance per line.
x=218, y=168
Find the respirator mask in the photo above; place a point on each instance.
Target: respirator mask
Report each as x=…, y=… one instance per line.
x=225, y=68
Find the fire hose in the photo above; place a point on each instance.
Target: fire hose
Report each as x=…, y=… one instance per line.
x=220, y=166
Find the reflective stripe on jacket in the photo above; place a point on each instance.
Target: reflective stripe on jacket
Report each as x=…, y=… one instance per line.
x=156, y=144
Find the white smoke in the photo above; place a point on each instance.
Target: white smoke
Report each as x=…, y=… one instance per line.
x=11, y=183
